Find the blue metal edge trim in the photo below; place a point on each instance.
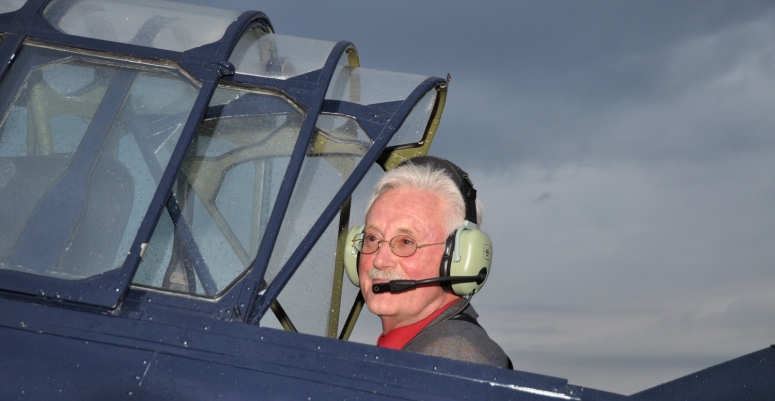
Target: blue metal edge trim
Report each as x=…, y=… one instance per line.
x=259, y=265
x=295, y=260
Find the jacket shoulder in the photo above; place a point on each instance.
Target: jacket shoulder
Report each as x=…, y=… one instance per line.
x=461, y=340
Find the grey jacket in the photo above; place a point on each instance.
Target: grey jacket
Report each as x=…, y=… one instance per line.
x=458, y=339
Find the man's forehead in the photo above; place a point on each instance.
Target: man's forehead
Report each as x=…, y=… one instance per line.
x=400, y=230
x=406, y=210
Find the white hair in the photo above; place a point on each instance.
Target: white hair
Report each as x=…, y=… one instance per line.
x=437, y=181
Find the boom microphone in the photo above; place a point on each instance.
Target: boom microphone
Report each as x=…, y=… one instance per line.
x=403, y=285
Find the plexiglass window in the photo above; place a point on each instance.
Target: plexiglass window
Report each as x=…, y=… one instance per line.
x=159, y=24
x=6, y=6
x=414, y=126
x=83, y=142
x=224, y=194
x=359, y=85
x=337, y=147
x=370, y=87
x=279, y=56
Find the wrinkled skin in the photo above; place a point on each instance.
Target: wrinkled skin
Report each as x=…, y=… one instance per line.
x=421, y=215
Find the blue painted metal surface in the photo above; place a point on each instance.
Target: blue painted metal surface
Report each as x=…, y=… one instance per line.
x=750, y=378
x=168, y=355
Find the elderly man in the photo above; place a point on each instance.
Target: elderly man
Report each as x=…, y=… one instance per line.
x=412, y=212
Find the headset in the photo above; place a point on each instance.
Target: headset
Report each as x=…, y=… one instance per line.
x=467, y=257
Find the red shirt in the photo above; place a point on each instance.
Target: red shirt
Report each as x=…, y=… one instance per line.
x=397, y=338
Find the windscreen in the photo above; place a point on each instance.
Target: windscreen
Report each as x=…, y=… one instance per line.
x=224, y=194
x=6, y=6
x=83, y=142
x=159, y=24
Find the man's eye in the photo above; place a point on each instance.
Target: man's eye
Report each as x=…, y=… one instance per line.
x=406, y=241
x=370, y=238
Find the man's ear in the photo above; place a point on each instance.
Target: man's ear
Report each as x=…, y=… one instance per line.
x=351, y=255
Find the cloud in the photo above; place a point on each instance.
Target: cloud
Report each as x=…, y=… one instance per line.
x=706, y=96
x=630, y=274
x=630, y=352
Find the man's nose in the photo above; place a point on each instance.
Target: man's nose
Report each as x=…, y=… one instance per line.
x=383, y=256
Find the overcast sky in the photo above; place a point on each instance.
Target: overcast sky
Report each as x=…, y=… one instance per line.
x=624, y=152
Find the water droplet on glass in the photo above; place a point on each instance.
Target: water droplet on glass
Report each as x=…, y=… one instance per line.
x=207, y=327
x=137, y=377
x=185, y=343
x=318, y=348
x=144, y=362
x=41, y=292
x=23, y=324
x=129, y=392
x=117, y=290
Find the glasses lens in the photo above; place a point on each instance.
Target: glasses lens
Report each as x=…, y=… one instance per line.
x=403, y=245
x=366, y=243
x=358, y=242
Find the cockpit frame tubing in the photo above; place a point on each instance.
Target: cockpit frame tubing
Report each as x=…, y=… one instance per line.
x=314, y=104
x=261, y=305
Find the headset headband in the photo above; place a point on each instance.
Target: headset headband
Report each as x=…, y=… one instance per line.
x=458, y=176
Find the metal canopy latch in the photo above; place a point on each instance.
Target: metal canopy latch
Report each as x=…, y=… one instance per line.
x=225, y=68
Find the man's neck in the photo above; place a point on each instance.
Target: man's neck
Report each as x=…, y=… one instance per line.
x=390, y=323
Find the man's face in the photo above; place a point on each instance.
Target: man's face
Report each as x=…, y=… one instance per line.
x=421, y=215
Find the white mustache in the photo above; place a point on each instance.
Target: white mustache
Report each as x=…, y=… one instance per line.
x=389, y=274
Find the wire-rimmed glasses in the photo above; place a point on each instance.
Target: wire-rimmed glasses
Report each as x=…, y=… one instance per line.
x=400, y=245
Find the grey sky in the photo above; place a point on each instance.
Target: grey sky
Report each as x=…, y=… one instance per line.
x=624, y=152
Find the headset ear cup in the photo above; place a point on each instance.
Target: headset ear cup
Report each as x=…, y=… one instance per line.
x=446, y=261
x=475, y=250
x=351, y=255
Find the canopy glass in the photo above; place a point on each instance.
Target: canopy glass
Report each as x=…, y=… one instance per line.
x=371, y=87
x=6, y=6
x=278, y=56
x=224, y=194
x=158, y=24
x=81, y=150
